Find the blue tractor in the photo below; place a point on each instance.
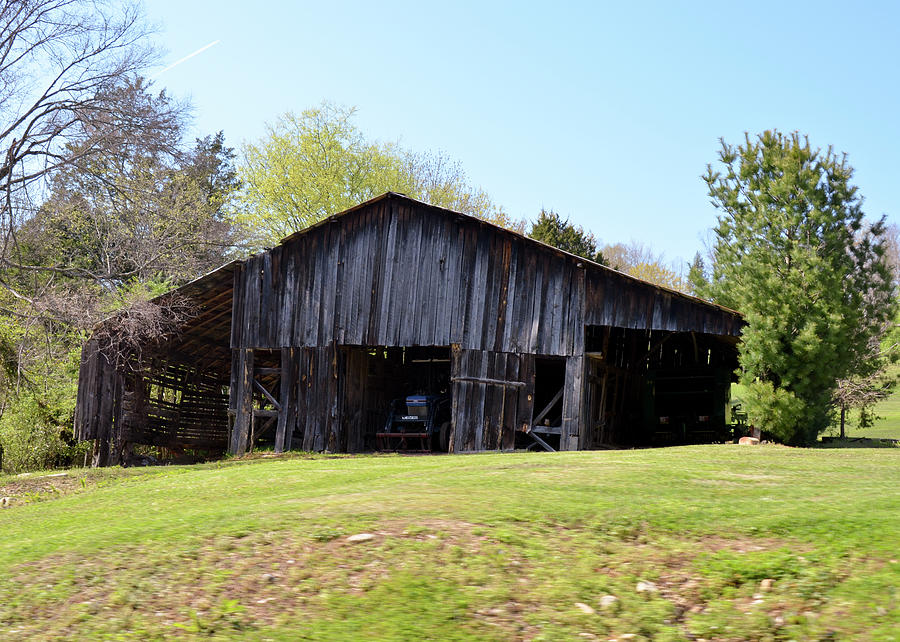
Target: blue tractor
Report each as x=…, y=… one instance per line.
x=417, y=424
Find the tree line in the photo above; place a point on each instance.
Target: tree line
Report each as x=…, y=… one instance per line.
x=106, y=203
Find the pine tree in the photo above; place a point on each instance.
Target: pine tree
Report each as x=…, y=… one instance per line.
x=552, y=229
x=794, y=254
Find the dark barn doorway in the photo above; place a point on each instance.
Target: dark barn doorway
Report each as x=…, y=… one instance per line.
x=549, y=395
x=375, y=378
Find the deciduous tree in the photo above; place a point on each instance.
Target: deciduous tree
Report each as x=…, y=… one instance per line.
x=315, y=164
x=60, y=60
x=148, y=208
x=639, y=260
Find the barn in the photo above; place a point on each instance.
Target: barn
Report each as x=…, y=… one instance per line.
x=304, y=346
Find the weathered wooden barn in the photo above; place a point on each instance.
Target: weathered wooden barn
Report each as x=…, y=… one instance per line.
x=303, y=346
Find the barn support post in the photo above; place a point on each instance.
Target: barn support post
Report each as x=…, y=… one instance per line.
x=241, y=401
x=287, y=401
x=105, y=417
x=117, y=445
x=573, y=406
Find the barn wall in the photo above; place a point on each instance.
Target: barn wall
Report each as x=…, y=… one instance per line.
x=400, y=274
x=99, y=406
x=396, y=273
x=488, y=407
x=617, y=300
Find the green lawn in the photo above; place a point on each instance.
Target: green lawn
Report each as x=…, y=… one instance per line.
x=886, y=426
x=711, y=542
x=887, y=423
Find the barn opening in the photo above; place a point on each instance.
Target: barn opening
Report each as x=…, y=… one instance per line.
x=549, y=397
x=656, y=387
x=379, y=383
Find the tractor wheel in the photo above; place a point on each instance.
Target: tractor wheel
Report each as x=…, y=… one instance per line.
x=445, y=437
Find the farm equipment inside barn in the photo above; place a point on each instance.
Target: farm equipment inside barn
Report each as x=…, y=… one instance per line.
x=687, y=405
x=417, y=424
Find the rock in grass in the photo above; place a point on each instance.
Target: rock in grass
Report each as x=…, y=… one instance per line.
x=646, y=587
x=360, y=537
x=766, y=584
x=608, y=601
x=748, y=441
x=584, y=608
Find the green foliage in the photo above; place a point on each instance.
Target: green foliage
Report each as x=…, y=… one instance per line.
x=794, y=254
x=115, y=229
x=318, y=163
x=552, y=229
x=137, y=290
x=696, y=278
x=659, y=274
x=639, y=260
x=147, y=206
x=36, y=425
x=778, y=409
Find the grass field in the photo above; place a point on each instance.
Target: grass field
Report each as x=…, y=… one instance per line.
x=704, y=542
x=887, y=423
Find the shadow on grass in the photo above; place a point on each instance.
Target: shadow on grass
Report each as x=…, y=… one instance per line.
x=857, y=442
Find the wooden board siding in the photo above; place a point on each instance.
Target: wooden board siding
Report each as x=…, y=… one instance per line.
x=174, y=405
x=179, y=397
x=400, y=274
x=487, y=415
x=617, y=300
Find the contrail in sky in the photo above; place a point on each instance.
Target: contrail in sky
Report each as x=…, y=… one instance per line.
x=187, y=57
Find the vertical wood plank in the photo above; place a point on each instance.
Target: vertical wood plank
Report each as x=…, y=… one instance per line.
x=286, y=399
x=572, y=420
x=243, y=404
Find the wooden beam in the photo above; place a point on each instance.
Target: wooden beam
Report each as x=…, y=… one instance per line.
x=573, y=406
x=543, y=413
x=543, y=444
x=242, y=392
x=545, y=430
x=491, y=382
x=286, y=392
x=269, y=371
x=268, y=414
x=268, y=395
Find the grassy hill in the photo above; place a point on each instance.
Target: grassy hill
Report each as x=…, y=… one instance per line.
x=712, y=542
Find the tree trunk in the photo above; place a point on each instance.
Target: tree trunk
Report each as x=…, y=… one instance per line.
x=843, y=415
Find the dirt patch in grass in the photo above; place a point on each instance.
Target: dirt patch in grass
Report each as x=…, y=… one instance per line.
x=39, y=487
x=222, y=584
x=233, y=585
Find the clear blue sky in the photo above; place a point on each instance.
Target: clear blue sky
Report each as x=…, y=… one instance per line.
x=606, y=112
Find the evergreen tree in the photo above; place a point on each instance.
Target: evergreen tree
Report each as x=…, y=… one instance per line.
x=552, y=229
x=696, y=278
x=793, y=253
